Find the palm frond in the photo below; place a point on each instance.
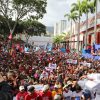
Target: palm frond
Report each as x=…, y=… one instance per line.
x=74, y=7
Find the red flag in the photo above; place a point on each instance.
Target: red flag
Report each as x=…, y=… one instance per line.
x=10, y=36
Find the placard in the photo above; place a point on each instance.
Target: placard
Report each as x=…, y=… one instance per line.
x=71, y=61
x=74, y=61
x=52, y=66
x=38, y=87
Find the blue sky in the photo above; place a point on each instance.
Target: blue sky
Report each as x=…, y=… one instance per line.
x=56, y=9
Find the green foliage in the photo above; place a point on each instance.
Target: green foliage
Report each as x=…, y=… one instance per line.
x=21, y=9
x=34, y=28
x=87, y=6
x=4, y=30
x=72, y=16
x=35, y=7
x=58, y=39
x=77, y=7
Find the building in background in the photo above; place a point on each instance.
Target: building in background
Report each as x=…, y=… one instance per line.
x=90, y=36
x=50, y=31
x=60, y=27
x=56, y=28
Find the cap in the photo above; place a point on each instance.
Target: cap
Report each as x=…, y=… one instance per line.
x=57, y=86
x=46, y=87
x=30, y=88
x=21, y=88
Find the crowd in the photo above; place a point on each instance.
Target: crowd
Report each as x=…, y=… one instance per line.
x=21, y=72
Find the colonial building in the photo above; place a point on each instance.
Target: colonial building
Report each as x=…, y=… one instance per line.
x=91, y=32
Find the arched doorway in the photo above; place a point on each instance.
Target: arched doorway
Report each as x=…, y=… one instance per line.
x=98, y=38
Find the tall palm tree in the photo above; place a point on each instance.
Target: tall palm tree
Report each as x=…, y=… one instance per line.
x=87, y=7
x=77, y=7
x=72, y=16
x=95, y=28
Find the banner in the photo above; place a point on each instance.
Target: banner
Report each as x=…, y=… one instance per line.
x=52, y=66
x=38, y=87
x=74, y=61
x=97, y=46
x=89, y=56
x=87, y=64
x=71, y=61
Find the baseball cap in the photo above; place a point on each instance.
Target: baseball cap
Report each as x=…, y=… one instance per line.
x=30, y=88
x=21, y=88
x=57, y=86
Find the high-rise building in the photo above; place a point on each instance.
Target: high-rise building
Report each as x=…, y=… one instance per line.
x=50, y=30
x=55, y=29
x=60, y=27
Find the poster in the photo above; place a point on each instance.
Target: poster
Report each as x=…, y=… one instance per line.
x=71, y=61
x=38, y=87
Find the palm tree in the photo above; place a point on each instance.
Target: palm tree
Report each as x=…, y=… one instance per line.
x=58, y=39
x=72, y=16
x=95, y=28
x=87, y=7
x=77, y=7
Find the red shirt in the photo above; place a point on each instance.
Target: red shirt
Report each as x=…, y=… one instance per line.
x=21, y=95
x=45, y=96
x=34, y=96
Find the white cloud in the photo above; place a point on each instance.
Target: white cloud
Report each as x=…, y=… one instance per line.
x=56, y=9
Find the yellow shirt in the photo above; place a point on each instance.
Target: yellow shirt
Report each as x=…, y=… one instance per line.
x=56, y=92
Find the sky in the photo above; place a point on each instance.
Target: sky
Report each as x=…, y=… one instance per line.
x=56, y=9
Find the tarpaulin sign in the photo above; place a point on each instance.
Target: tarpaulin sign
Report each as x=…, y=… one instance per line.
x=69, y=61
x=38, y=87
x=74, y=61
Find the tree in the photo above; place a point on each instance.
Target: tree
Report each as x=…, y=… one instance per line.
x=77, y=7
x=20, y=9
x=87, y=7
x=4, y=30
x=32, y=27
x=58, y=39
x=72, y=16
x=37, y=28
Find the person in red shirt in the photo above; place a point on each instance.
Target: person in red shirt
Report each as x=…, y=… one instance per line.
x=68, y=50
x=32, y=94
x=45, y=94
x=22, y=93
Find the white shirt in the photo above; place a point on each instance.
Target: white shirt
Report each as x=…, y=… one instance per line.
x=97, y=94
x=77, y=95
x=67, y=95
x=95, y=84
x=94, y=76
x=44, y=75
x=97, y=97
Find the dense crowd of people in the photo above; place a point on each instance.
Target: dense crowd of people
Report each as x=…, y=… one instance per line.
x=21, y=72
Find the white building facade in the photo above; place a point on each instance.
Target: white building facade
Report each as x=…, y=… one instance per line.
x=60, y=27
